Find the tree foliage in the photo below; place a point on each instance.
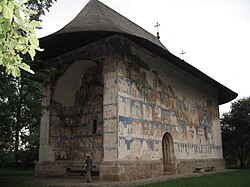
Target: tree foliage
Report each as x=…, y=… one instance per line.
x=20, y=94
x=236, y=133
x=17, y=36
x=20, y=113
x=40, y=6
x=19, y=19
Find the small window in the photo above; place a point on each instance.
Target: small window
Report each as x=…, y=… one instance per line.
x=94, y=127
x=205, y=133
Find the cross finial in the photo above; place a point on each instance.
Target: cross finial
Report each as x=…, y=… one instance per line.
x=182, y=54
x=157, y=26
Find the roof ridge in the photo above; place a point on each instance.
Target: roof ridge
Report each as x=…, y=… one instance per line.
x=96, y=16
x=97, y=21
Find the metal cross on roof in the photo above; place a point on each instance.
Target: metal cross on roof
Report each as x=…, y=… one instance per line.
x=157, y=26
x=182, y=54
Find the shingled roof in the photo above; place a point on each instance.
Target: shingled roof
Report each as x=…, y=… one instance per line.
x=96, y=16
x=97, y=21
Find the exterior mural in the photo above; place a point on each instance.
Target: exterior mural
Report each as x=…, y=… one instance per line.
x=119, y=95
x=119, y=107
x=149, y=107
x=77, y=129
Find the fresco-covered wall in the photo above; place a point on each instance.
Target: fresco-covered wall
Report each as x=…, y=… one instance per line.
x=117, y=107
x=76, y=113
x=110, y=134
x=153, y=98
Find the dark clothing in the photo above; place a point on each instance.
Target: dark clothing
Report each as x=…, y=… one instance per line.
x=89, y=163
x=89, y=166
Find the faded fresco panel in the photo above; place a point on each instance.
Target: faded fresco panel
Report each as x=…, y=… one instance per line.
x=110, y=125
x=109, y=111
x=76, y=115
x=124, y=107
x=154, y=101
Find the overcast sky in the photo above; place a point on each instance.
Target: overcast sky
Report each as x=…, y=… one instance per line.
x=215, y=34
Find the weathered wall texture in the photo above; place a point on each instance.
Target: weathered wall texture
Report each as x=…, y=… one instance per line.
x=45, y=150
x=155, y=97
x=130, y=170
x=82, y=117
x=110, y=130
x=76, y=113
x=118, y=104
x=73, y=126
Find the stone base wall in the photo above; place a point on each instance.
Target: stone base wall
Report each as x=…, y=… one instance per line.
x=188, y=166
x=125, y=170
x=56, y=168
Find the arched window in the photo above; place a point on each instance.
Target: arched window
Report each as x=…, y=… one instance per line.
x=205, y=133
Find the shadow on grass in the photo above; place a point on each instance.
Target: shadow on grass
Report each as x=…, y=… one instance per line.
x=237, y=178
x=13, y=177
x=16, y=172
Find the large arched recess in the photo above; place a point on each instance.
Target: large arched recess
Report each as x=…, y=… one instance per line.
x=76, y=113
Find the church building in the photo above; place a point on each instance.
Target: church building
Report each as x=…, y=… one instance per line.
x=120, y=96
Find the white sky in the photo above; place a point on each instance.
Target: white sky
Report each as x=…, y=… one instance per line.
x=215, y=34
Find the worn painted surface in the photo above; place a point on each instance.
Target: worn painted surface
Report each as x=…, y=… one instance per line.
x=45, y=150
x=154, y=98
x=76, y=113
x=117, y=107
x=110, y=109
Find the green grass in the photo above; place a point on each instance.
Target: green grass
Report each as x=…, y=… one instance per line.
x=239, y=178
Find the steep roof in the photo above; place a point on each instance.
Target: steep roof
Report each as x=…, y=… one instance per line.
x=97, y=21
x=96, y=16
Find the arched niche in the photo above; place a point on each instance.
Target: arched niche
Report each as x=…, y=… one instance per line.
x=70, y=82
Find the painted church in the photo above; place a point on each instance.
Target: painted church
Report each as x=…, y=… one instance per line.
x=120, y=96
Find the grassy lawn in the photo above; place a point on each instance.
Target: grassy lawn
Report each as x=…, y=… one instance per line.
x=239, y=178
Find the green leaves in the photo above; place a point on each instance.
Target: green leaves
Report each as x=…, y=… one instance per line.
x=32, y=53
x=34, y=42
x=23, y=1
x=17, y=36
x=35, y=24
x=26, y=67
x=21, y=94
x=7, y=10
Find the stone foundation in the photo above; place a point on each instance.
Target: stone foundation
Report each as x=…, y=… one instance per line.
x=56, y=168
x=121, y=170
x=188, y=166
x=125, y=170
